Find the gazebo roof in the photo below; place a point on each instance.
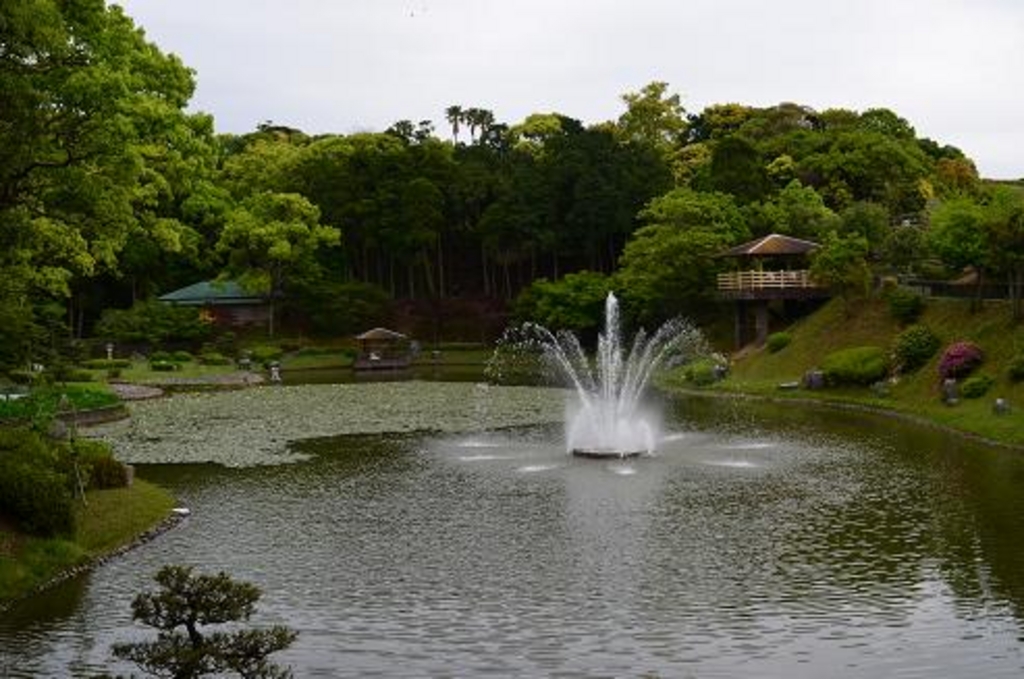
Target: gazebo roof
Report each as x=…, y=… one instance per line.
x=380, y=334
x=211, y=292
x=772, y=245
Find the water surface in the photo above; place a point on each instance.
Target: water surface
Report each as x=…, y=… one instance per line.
x=759, y=541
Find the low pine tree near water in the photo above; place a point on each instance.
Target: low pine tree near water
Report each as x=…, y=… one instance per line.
x=191, y=603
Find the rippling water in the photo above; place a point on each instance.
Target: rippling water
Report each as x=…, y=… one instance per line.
x=751, y=545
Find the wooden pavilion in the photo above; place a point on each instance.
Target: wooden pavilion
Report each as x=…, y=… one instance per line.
x=770, y=268
x=383, y=349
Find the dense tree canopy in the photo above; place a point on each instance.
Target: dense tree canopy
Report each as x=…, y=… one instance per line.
x=111, y=192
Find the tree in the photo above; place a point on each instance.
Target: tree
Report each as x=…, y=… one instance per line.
x=575, y=302
x=841, y=264
x=194, y=602
x=668, y=267
x=93, y=138
x=1003, y=221
x=271, y=236
x=653, y=116
x=958, y=237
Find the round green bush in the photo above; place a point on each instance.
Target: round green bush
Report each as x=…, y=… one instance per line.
x=777, y=341
x=163, y=366
x=914, y=347
x=181, y=357
x=904, y=305
x=976, y=386
x=855, y=366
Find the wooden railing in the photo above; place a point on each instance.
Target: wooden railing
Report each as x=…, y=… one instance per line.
x=737, y=281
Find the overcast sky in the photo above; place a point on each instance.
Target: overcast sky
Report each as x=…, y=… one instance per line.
x=951, y=67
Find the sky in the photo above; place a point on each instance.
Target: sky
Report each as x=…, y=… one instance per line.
x=952, y=68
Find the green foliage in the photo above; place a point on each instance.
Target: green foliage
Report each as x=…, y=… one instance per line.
x=97, y=464
x=702, y=372
x=181, y=356
x=777, y=341
x=575, y=302
x=904, y=305
x=855, y=366
x=34, y=487
x=183, y=609
x=1015, y=369
x=44, y=402
x=841, y=264
x=154, y=322
x=343, y=308
x=264, y=354
x=914, y=347
x=976, y=386
x=107, y=364
x=163, y=366
x=214, y=358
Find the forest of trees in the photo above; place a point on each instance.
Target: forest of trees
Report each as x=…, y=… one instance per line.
x=111, y=193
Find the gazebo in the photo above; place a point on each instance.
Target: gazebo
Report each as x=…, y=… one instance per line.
x=382, y=349
x=773, y=267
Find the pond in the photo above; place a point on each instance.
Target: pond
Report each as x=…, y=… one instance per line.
x=760, y=540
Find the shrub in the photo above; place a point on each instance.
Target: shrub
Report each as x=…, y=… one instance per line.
x=181, y=357
x=914, y=347
x=97, y=464
x=960, y=359
x=976, y=386
x=214, y=358
x=154, y=322
x=904, y=305
x=1015, y=371
x=265, y=354
x=704, y=371
x=163, y=366
x=856, y=365
x=777, y=341
x=33, y=489
x=107, y=364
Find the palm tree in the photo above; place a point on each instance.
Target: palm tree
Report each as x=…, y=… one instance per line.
x=455, y=116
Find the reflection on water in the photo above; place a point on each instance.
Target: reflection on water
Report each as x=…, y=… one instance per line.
x=749, y=545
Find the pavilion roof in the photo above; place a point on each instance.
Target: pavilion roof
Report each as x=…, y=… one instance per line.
x=380, y=334
x=212, y=292
x=772, y=245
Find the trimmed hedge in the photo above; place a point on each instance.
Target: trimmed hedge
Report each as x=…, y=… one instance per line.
x=855, y=366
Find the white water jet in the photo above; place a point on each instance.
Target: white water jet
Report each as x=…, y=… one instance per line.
x=607, y=417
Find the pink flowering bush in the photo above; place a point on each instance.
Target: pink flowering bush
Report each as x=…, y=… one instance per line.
x=959, y=359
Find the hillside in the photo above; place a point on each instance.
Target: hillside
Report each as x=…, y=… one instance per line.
x=835, y=327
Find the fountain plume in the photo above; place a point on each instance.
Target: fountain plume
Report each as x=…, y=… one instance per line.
x=608, y=417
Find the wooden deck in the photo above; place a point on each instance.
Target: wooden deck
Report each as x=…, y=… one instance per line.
x=755, y=284
x=382, y=363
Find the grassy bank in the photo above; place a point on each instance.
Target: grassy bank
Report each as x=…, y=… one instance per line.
x=870, y=323
x=110, y=519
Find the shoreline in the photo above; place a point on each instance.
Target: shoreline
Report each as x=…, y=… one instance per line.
x=171, y=521
x=836, y=404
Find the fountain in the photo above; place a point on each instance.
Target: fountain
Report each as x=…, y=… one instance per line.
x=607, y=418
